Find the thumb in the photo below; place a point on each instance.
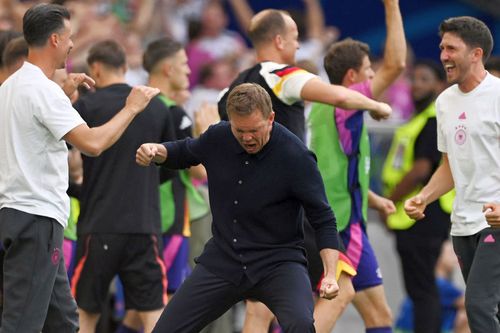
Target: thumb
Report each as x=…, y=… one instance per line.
x=152, y=151
x=489, y=206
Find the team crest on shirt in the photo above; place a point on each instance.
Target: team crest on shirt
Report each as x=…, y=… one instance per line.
x=460, y=134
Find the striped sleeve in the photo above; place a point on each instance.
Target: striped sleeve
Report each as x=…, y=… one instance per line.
x=285, y=81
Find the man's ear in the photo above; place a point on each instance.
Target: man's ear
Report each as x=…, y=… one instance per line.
x=95, y=70
x=278, y=42
x=350, y=75
x=477, y=54
x=124, y=68
x=54, y=39
x=271, y=116
x=166, y=68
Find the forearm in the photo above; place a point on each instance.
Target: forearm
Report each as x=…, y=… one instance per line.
x=316, y=90
x=93, y=141
x=395, y=46
x=329, y=257
x=410, y=181
x=243, y=13
x=372, y=199
x=142, y=20
x=104, y=136
x=315, y=19
x=441, y=182
x=421, y=170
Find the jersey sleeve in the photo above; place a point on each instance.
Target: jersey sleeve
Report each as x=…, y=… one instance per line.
x=286, y=82
x=441, y=138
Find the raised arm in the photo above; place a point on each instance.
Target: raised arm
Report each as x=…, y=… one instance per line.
x=315, y=90
x=395, y=50
x=315, y=19
x=93, y=141
x=243, y=13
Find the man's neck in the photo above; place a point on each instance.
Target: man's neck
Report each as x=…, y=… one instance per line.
x=3, y=75
x=110, y=80
x=474, y=78
x=162, y=83
x=42, y=60
x=270, y=55
x=424, y=102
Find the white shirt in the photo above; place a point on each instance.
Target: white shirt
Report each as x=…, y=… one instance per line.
x=200, y=95
x=34, y=116
x=469, y=132
x=227, y=43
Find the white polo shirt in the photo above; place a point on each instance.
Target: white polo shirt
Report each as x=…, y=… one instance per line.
x=34, y=116
x=469, y=132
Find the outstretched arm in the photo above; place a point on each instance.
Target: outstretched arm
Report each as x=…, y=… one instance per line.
x=93, y=141
x=315, y=90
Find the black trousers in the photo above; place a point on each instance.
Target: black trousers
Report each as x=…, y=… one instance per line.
x=204, y=297
x=479, y=259
x=35, y=286
x=419, y=256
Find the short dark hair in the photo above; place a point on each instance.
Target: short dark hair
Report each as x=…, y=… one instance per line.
x=493, y=64
x=472, y=31
x=158, y=50
x=342, y=56
x=271, y=23
x=107, y=52
x=42, y=20
x=5, y=37
x=14, y=50
x=434, y=66
x=246, y=98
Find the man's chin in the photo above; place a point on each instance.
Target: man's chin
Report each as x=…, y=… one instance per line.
x=451, y=79
x=251, y=150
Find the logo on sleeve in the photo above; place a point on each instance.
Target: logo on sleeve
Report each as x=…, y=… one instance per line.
x=462, y=116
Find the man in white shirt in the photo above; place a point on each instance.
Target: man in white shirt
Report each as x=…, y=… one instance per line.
x=468, y=121
x=36, y=117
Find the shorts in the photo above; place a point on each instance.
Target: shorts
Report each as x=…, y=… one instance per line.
x=362, y=257
x=176, y=260
x=135, y=258
x=314, y=262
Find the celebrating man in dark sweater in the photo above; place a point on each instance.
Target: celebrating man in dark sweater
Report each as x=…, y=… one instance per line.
x=260, y=176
